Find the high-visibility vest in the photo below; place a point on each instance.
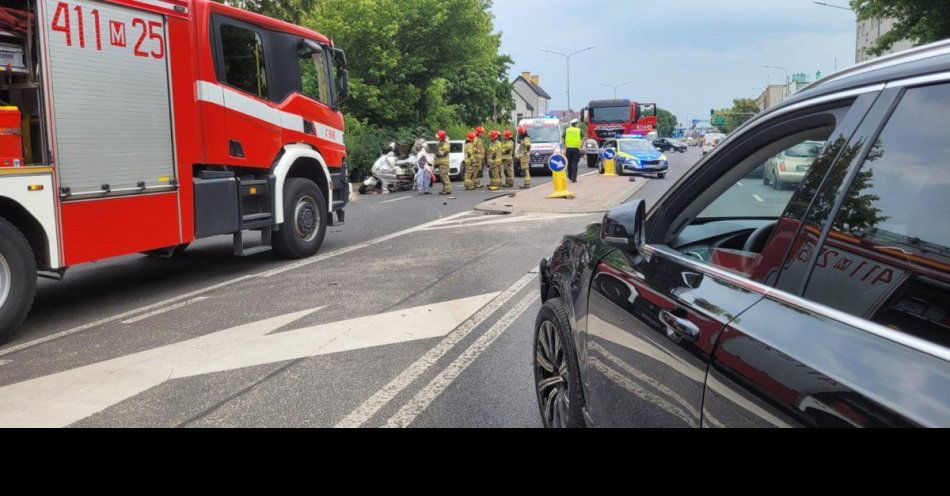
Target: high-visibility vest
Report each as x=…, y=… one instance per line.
x=572, y=137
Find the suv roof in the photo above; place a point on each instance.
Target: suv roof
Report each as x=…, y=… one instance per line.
x=918, y=61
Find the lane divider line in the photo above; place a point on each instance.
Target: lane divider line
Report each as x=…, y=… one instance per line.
x=408, y=413
x=165, y=309
x=397, y=385
x=231, y=282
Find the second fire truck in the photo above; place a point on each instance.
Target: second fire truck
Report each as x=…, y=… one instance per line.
x=131, y=126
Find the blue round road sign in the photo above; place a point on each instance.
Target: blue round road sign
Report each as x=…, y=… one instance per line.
x=609, y=153
x=557, y=163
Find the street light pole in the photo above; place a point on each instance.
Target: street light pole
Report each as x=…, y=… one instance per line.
x=567, y=57
x=787, y=81
x=831, y=5
x=615, y=86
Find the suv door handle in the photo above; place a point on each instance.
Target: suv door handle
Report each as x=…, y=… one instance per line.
x=679, y=325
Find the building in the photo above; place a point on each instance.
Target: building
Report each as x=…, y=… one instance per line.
x=772, y=95
x=565, y=115
x=530, y=99
x=867, y=34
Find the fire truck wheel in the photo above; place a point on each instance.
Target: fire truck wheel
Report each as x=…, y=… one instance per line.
x=17, y=279
x=305, y=220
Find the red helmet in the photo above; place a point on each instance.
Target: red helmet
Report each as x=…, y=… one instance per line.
x=441, y=135
x=523, y=131
x=471, y=136
x=508, y=133
x=493, y=134
x=479, y=131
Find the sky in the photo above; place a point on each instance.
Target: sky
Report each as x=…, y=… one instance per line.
x=687, y=56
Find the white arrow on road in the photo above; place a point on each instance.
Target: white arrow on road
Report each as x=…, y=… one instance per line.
x=66, y=397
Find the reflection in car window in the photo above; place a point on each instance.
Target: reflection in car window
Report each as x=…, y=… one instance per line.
x=314, y=76
x=887, y=258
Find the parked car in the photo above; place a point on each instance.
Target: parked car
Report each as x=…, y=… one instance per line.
x=637, y=156
x=668, y=144
x=710, y=141
x=456, y=157
x=717, y=308
x=789, y=167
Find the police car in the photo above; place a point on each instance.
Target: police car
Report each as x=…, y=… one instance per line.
x=637, y=156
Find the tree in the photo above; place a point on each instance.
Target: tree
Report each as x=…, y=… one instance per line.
x=920, y=21
x=665, y=122
x=730, y=118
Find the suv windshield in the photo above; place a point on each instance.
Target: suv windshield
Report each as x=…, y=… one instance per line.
x=547, y=134
x=610, y=114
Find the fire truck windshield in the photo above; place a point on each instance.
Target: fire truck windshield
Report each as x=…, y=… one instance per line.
x=610, y=114
x=547, y=134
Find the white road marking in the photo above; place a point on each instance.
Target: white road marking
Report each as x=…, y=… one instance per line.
x=165, y=310
x=4, y=362
x=395, y=199
x=507, y=219
x=192, y=294
x=66, y=397
x=758, y=198
x=739, y=183
x=408, y=413
x=381, y=398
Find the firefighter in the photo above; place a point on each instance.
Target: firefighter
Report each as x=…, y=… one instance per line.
x=442, y=162
x=480, y=156
x=524, y=157
x=494, y=161
x=470, y=158
x=508, y=159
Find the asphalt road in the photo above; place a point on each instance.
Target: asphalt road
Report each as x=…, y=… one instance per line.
x=418, y=312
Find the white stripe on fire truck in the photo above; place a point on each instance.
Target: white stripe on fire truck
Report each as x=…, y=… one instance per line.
x=234, y=100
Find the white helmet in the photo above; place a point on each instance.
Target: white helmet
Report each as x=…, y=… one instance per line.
x=573, y=121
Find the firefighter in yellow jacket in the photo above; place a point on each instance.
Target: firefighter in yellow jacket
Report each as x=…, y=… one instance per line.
x=495, y=152
x=470, y=165
x=478, y=157
x=442, y=162
x=508, y=158
x=524, y=157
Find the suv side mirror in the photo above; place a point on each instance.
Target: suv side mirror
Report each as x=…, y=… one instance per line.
x=624, y=227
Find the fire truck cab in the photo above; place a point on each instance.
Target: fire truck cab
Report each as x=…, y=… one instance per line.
x=606, y=119
x=131, y=126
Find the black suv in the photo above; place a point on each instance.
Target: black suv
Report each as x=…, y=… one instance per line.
x=666, y=145
x=729, y=304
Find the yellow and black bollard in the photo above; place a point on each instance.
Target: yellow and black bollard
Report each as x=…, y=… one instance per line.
x=610, y=164
x=558, y=164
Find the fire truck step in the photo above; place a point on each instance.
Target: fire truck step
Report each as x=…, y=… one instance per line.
x=244, y=251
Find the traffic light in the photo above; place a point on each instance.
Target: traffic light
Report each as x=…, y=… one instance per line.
x=712, y=112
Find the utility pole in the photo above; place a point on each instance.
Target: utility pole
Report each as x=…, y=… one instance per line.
x=567, y=58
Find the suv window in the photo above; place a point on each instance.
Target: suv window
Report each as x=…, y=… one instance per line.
x=746, y=224
x=244, y=66
x=887, y=257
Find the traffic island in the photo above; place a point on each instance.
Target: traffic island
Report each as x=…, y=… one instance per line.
x=593, y=193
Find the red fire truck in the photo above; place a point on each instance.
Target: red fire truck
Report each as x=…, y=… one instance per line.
x=131, y=126
x=611, y=118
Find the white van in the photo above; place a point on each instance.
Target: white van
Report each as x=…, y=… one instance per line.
x=710, y=140
x=545, y=134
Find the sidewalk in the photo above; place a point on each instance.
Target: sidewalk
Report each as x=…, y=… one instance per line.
x=594, y=193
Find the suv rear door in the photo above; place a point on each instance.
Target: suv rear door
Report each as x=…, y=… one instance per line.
x=858, y=335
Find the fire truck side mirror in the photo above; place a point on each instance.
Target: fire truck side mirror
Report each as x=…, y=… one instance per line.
x=343, y=87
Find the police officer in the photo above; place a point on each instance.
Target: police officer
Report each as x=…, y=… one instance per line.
x=479, y=155
x=470, y=157
x=572, y=142
x=494, y=161
x=442, y=162
x=524, y=157
x=508, y=159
